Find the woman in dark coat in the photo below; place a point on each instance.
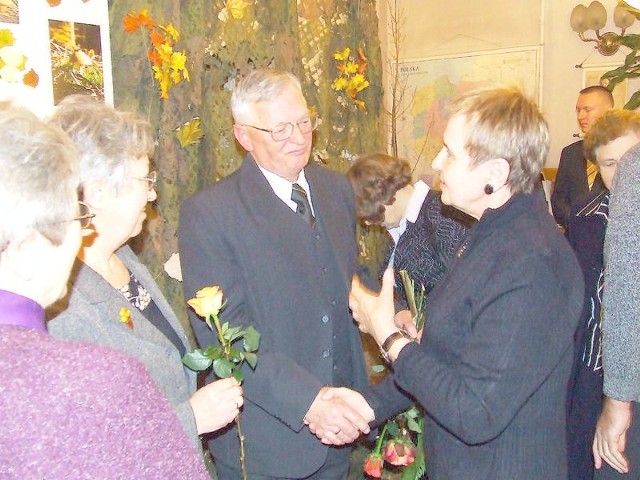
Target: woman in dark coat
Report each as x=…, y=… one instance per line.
x=495, y=355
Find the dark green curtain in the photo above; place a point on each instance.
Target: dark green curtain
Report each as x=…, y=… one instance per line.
x=301, y=37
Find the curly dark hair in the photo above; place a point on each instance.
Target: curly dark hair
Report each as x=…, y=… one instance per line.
x=376, y=178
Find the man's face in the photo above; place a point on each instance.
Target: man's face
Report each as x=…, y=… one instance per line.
x=608, y=156
x=590, y=107
x=285, y=158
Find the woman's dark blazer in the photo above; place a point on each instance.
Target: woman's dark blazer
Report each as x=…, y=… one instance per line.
x=496, y=352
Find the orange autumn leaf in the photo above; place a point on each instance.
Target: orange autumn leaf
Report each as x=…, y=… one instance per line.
x=130, y=24
x=154, y=57
x=156, y=38
x=31, y=78
x=54, y=3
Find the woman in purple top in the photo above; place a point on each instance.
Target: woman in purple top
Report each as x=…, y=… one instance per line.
x=69, y=410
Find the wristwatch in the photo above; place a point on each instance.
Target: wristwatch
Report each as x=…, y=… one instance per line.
x=390, y=340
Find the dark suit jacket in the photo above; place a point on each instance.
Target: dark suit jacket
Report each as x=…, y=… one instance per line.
x=571, y=182
x=426, y=247
x=291, y=283
x=492, y=367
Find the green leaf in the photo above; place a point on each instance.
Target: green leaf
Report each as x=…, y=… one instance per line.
x=252, y=359
x=238, y=375
x=392, y=428
x=235, y=355
x=414, y=426
x=197, y=360
x=223, y=368
x=251, y=339
x=633, y=102
x=213, y=352
x=232, y=334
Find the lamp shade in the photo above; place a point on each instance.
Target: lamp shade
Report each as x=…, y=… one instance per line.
x=578, y=19
x=596, y=16
x=622, y=17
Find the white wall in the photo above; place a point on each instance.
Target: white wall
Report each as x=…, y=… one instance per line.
x=434, y=28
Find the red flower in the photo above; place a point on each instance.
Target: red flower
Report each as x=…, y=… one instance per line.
x=373, y=466
x=399, y=453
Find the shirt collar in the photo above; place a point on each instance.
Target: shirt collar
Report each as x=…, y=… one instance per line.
x=282, y=187
x=420, y=191
x=19, y=311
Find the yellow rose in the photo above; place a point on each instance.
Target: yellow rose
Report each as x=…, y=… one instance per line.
x=208, y=301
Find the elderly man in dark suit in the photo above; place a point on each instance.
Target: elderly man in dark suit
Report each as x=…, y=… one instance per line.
x=278, y=236
x=577, y=176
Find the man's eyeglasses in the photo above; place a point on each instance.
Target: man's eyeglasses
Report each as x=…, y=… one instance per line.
x=283, y=131
x=85, y=215
x=151, y=180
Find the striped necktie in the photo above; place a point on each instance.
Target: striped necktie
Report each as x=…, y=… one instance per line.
x=592, y=172
x=303, y=208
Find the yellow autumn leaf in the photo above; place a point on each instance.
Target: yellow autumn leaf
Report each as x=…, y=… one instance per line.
x=189, y=133
x=173, y=33
x=340, y=83
x=237, y=7
x=350, y=68
x=6, y=37
x=343, y=55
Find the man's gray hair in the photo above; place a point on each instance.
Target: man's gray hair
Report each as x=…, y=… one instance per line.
x=258, y=86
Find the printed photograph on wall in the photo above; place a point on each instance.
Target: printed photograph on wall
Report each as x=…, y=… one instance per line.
x=9, y=11
x=76, y=59
x=432, y=83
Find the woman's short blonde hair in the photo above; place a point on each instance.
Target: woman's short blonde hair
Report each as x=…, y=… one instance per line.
x=505, y=123
x=39, y=177
x=108, y=140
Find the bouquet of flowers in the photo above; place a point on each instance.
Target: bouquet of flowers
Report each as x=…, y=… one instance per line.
x=225, y=359
x=401, y=440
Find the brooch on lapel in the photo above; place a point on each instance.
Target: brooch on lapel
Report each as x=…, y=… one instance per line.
x=125, y=317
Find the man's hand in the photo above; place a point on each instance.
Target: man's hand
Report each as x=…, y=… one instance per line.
x=216, y=404
x=610, y=439
x=337, y=416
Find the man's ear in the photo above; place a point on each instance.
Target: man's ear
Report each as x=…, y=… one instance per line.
x=242, y=136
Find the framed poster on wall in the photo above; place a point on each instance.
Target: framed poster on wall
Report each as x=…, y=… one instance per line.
x=52, y=49
x=591, y=75
x=432, y=83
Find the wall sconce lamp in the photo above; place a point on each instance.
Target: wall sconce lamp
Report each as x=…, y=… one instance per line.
x=594, y=18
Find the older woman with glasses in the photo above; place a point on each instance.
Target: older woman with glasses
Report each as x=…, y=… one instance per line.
x=113, y=299
x=493, y=363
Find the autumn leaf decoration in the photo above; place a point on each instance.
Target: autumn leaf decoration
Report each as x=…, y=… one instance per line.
x=189, y=133
x=169, y=67
x=351, y=75
x=13, y=62
x=125, y=317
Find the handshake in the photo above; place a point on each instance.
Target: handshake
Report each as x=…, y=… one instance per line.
x=337, y=416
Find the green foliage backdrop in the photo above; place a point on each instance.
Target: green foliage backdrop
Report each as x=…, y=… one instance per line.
x=299, y=36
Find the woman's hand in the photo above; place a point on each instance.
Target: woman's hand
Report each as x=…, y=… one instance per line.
x=374, y=313
x=216, y=404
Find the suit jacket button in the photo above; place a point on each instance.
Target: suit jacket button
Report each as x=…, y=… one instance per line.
x=325, y=319
x=326, y=353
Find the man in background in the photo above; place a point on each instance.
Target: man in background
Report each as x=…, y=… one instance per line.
x=577, y=176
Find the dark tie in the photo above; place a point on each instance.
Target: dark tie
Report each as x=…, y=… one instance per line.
x=299, y=196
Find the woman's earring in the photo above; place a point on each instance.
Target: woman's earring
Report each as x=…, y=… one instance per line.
x=488, y=189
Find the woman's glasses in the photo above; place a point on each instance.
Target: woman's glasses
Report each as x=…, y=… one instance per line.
x=151, y=180
x=85, y=215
